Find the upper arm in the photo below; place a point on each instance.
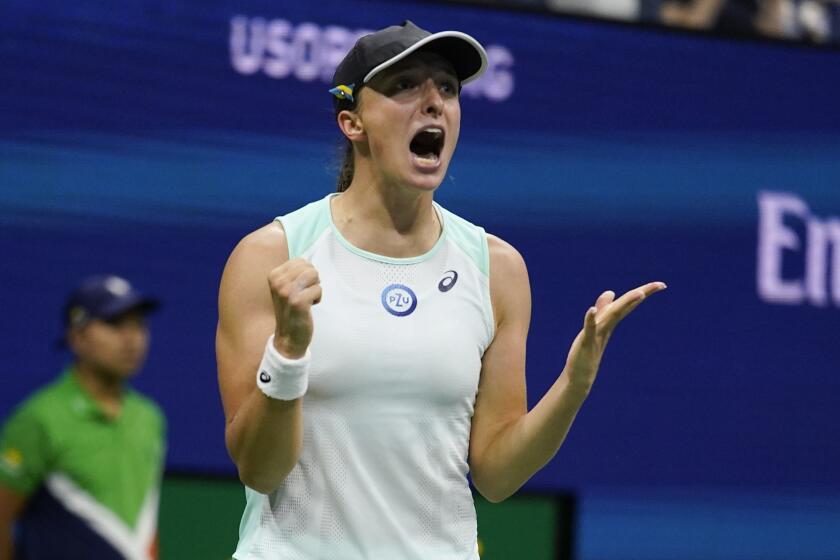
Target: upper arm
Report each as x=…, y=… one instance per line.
x=25, y=451
x=24, y=459
x=246, y=313
x=501, y=395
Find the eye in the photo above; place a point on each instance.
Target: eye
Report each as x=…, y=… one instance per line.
x=449, y=87
x=404, y=84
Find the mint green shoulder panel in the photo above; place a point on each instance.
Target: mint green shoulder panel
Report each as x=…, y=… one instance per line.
x=470, y=238
x=304, y=226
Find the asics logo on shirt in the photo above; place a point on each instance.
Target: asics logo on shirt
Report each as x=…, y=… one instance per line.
x=264, y=377
x=448, y=281
x=399, y=300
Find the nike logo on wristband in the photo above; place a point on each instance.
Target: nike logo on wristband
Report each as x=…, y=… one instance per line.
x=264, y=377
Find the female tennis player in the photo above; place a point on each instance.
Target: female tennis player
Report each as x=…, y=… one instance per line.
x=371, y=345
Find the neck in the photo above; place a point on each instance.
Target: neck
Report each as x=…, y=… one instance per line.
x=389, y=220
x=106, y=390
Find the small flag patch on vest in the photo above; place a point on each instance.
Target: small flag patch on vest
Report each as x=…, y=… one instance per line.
x=12, y=459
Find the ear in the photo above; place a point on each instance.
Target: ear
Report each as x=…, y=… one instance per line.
x=351, y=126
x=73, y=337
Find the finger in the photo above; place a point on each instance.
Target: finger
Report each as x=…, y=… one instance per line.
x=619, y=308
x=306, y=297
x=629, y=301
x=292, y=268
x=639, y=294
x=285, y=281
x=589, y=323
x=604, y=300
x=652, y=287
x=306, y=278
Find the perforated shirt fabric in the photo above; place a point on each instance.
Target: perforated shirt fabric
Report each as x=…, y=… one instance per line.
x=396, y=358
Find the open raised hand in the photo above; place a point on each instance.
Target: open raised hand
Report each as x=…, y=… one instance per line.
x=598, y=324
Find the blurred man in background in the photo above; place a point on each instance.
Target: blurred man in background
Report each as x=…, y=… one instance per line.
x=81, y=458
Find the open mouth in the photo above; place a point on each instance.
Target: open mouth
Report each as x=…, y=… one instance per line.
x=427, y=144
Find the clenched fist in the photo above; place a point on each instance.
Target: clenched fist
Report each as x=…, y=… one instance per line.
x=295, y=288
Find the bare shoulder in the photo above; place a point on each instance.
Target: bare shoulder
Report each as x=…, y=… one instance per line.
x=504, y=258
x=249, y=263
x=510, y=289
x=268, y=241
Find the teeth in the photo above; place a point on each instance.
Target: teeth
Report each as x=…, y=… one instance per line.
x=434, y=131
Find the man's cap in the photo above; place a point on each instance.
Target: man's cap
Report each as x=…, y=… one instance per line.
x=377, y=51
x=104, y=297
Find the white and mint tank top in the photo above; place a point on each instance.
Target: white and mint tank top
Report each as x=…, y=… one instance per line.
x=396, y=357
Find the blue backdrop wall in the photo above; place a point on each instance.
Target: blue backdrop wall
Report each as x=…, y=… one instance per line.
x=147, y=138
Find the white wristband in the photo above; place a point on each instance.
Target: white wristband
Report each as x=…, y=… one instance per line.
x=280, y=377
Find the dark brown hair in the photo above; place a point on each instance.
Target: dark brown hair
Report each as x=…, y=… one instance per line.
x=345, y=171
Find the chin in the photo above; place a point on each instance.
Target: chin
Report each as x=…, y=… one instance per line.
x=125, y=371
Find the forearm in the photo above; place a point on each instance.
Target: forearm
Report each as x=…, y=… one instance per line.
x=524, y=446
x=264, y=439
x=7, y=551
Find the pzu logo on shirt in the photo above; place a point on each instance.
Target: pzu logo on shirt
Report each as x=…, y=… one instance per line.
x=399, y=300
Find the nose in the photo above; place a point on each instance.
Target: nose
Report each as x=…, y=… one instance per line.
x=432, y=99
